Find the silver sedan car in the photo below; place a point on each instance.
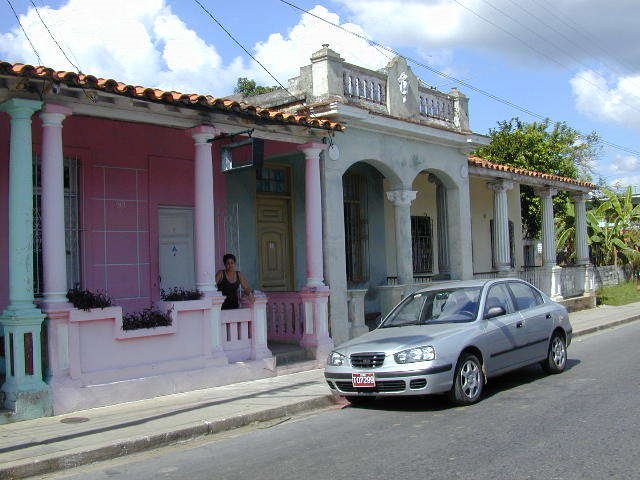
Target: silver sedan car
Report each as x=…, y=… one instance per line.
x=452, y=337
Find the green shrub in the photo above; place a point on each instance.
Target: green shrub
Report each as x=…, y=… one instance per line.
x=86, y=299
x=178, y=294
x=150, y=317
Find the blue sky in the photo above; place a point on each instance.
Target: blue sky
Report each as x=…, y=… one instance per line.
x=585, y=68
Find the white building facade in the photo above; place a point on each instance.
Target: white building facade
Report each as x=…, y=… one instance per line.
x=404, y=204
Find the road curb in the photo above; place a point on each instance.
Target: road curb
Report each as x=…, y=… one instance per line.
x=605, y=326
x=67, y=460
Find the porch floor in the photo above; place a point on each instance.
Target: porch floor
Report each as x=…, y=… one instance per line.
x=288, y=353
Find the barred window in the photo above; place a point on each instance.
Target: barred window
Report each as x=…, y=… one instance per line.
x=355, y=227
x=422, y=243
x=71, y=222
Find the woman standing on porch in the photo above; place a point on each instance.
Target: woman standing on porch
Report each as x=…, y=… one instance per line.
x=229, y=281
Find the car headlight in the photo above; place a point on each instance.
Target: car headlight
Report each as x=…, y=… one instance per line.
x=335, y=359
x=418, y=354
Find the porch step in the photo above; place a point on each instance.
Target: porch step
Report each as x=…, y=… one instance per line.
x=287, y=354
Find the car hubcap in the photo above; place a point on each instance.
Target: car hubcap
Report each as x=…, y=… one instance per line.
x=559, y=352
x=470, y=379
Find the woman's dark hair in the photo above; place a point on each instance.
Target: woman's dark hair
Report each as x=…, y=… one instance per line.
x=228, y=256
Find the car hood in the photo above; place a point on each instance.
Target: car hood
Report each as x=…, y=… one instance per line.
x=395, y=339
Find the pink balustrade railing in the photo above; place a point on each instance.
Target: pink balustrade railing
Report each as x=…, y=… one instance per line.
x=285, y=317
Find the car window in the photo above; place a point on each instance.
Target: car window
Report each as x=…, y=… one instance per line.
x=447, y=305
x=525, y=297
x=498, y=296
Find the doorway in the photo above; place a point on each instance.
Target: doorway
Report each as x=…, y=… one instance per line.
x=273, y=216
x=175, y=232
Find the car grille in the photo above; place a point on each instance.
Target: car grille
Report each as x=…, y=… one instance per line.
x=381, y=386
x=418, y=383
x=367, y=360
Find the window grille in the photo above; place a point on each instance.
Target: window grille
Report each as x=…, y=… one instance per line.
x=71, y=222
x=356, y=228
x=422, y=243
x=274, y=180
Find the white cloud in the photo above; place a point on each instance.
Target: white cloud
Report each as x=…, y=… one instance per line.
x=608, y=100
x=146, y=43
x=626, y=164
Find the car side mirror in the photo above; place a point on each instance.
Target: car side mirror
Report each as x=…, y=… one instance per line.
x=494, y=312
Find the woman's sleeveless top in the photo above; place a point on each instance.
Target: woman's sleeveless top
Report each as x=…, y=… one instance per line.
x=230, y=291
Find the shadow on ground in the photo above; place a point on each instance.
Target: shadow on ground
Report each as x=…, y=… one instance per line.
x=435, y=403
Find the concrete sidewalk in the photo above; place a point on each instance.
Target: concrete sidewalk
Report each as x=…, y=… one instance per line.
x=35, y=447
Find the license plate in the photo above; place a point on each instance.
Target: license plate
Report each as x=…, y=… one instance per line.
x=363, y=380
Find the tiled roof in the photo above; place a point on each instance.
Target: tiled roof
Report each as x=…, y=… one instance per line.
x=108, y=85
x=482, y=163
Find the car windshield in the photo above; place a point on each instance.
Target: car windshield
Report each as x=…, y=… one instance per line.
x=451, y=305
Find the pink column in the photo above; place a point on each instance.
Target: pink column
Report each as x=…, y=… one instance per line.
x=54, y=255
x=205, y=248
x=313, y=209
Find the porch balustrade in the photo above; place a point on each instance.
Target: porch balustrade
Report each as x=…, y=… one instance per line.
x=364, y=85
x=285, y=317
x=435, y=104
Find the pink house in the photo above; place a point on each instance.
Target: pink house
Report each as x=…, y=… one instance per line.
x=122, y=189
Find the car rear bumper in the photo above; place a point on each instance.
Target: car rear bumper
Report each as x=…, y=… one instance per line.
x=436, y=379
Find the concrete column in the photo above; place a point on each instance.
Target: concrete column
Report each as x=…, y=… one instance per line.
x=502, y=253
x=444, y=264
x=548, y=227
x=25, y=392
x=54, y=254
x=313, y=213
x=334, y=252
x=205, y=248
x=552, y=271
x=356, y=312
x=401, y=200
x=259, y=349
x=581, y=242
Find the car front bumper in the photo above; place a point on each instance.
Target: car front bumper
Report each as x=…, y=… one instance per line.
x=434, y=379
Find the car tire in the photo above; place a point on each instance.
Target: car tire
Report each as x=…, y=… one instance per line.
x=359, y=401
x=556, y=360
x=468, y=381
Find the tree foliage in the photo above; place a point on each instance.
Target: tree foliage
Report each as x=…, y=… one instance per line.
x=544, y=147
x=250, y=88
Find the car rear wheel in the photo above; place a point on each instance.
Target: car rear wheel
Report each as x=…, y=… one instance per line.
x=468, y=381
x=556, y=360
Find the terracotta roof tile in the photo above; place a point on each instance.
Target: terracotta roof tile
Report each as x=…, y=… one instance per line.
x=482, y=163
x=109, y=85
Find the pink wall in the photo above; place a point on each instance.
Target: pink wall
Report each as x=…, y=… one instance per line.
x=127, y=170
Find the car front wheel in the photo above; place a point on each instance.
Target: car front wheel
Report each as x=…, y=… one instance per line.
x=468, y=381
x=556, y=360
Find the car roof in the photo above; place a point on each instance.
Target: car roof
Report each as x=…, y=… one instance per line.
x=464, y=283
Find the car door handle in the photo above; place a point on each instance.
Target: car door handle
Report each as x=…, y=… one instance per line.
x=520, y=324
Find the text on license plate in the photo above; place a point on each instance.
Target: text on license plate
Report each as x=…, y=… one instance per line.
x=363, y=380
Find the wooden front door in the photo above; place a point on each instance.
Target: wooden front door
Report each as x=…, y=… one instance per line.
x=274, y=243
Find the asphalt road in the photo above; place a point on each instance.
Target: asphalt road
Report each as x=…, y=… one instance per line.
x=582, y=424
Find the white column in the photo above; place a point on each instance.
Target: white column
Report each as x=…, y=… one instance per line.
x=582, y=246
x=313, y=213
x=205, y=247
x=548, y=227
x=552, y=271
x=502, y=253
x=401, y=200
x=54, y=255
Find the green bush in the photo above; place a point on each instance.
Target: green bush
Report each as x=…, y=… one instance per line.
x=177, y=294
x=150, y=317
x=86, y=299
